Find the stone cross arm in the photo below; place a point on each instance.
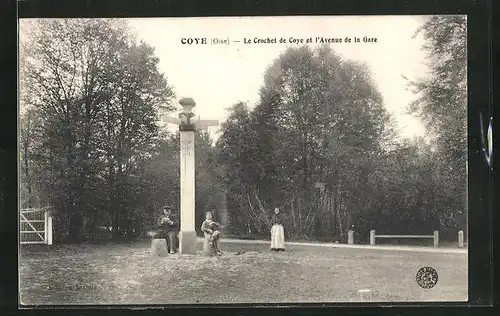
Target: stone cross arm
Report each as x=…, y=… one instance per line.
x=204, y=124
x=172, y=120
x=200, y=124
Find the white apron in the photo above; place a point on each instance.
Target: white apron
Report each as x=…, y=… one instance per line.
x=277, y=237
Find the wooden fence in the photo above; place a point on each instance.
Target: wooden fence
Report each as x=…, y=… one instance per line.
x=434, y=236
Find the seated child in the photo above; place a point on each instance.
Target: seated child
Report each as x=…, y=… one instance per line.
x=214, y=226
x=211, y=229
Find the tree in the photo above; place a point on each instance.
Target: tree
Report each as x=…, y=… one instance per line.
x=237, y=154
x=210, y=191
x=129, y=129
x=319, y=119
x=96, y=93
x=442, y=105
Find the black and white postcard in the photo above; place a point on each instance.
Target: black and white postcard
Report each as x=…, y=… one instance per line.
x=226, y=160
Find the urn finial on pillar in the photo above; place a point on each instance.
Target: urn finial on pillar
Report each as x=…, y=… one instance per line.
x=186, y=123
x=187, y=104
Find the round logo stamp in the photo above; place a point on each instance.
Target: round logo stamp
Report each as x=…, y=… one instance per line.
x=427, y=277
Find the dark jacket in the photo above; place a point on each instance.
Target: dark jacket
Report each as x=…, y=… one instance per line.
x=170, y=227
x=277, y=219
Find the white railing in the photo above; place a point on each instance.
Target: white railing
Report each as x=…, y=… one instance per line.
x=434, y=236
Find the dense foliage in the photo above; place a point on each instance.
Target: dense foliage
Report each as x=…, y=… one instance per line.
x=442, y=105
x=91, y=145
x=319, y=144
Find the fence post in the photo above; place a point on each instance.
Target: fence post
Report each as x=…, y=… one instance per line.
x=372, y=237
x=436, y=238
x=46, y=226
x=460, y=239
x=350, y=237
x=48, y=232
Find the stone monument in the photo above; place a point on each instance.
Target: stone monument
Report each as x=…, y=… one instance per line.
x=187, y=126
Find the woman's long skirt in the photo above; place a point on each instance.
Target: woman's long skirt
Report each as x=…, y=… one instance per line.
x=277, y=237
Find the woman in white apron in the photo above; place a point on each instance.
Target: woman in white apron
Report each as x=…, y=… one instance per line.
x=277, y=232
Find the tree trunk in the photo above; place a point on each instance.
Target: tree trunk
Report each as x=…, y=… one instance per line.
x=114, y=204
x=116, y=225
x=27, y=177
x=26, y=160
x=339, y=210
x=334, y=216
x=293, y=212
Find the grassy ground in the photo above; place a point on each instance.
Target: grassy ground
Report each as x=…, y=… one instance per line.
x=127, y=274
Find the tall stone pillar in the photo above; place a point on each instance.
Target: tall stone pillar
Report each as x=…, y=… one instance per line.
x=187, y=235
x=187, y=125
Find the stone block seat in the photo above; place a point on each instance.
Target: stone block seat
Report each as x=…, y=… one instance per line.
x=159, y=247
x=208, y=250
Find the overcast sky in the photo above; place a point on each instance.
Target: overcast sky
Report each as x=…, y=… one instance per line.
x=217, y=76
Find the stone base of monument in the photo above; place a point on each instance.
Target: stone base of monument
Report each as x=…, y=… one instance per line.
x=208, y=250
x=187, y=242
x=159, y=247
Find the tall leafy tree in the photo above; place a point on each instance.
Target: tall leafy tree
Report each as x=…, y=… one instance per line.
x=237, y=153
x=320, y=119
x=96, y=92
x=442, y=105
